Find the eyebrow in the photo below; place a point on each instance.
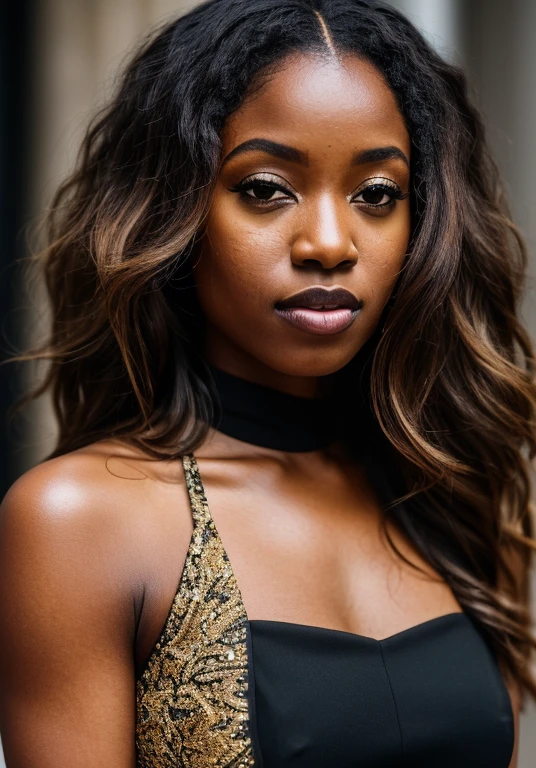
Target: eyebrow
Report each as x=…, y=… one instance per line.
x=378, y=154
x=282, y=151
x=285, y=152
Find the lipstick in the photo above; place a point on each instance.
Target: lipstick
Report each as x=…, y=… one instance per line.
x=319, y=310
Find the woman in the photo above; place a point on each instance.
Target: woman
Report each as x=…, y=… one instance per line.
x=287, y=519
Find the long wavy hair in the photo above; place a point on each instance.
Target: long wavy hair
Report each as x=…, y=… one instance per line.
x=450, y=382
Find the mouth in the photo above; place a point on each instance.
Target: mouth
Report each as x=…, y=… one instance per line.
x=320, y=310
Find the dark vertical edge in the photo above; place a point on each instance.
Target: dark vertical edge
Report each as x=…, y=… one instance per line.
x=15, y=109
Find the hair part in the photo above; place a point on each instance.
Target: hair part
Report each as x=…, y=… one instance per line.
x=330, y=45
x=450, y=384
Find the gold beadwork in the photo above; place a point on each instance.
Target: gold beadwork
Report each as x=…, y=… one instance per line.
x=192, y=704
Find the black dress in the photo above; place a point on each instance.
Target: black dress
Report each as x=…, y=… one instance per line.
x=222, y=690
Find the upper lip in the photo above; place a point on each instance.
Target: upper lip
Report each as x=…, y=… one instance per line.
x=319, y=297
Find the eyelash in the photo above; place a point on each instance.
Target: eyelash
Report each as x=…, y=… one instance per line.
x=381, y=184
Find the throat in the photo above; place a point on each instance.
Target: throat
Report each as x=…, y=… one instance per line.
x=266, y=417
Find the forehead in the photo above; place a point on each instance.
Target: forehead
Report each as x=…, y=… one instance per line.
x=315, y=103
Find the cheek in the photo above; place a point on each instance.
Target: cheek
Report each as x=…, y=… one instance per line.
x=237, y=262
x=382, y=255
x=231, y=246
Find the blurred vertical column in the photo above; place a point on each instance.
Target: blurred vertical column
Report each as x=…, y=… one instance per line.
x=78, y=47
x=15, y=35
x=439, y=20
x=500, y=45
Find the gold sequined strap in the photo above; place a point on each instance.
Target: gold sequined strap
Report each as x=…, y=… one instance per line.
x=196, y=491
x=193, y=696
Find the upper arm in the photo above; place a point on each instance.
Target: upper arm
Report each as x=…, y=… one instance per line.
x=66, y=665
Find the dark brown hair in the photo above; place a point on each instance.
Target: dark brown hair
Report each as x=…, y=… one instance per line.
x=451, y=382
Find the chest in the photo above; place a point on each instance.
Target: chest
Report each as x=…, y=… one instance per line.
x=306, y=547
x=312, y=547
x=225, y=688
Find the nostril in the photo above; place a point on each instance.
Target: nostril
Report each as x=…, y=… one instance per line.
x=315, y=263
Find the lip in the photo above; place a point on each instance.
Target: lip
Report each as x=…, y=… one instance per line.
x=320, y=310
x=320, y=298
x=318, y=321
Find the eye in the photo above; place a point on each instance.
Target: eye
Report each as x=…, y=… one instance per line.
x=262, y=190
x=376, y=195
x=379, y=194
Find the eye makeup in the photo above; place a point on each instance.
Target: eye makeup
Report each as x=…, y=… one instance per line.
x=262, y=190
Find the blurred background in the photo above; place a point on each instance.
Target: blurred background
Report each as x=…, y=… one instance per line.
x=59, y=60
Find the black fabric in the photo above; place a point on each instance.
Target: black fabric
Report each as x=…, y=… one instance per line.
x=266, y=417
x=431, y=696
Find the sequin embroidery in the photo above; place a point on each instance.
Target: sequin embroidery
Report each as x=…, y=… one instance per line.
x=192, y=703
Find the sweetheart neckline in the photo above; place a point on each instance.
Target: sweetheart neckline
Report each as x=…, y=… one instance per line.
x=341, y=632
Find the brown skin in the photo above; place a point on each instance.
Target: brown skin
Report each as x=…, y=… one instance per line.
x=89, y=544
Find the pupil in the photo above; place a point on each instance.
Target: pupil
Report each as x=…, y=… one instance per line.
x=263, y=192
x=373, y=195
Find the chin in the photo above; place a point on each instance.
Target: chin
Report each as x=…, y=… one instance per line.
x=311, y=362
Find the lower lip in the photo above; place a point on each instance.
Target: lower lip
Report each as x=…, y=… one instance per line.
x=321, y=322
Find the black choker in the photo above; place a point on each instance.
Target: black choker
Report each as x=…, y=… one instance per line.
x=266, y=417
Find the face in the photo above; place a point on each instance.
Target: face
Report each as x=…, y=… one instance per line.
x=312, y=193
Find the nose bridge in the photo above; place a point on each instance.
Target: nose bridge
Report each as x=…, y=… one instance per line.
x=326, y=234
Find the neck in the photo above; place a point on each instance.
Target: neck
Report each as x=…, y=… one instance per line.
x=220, y=354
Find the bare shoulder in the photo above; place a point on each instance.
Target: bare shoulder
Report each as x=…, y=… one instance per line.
x=99, y=483
x=104, y=502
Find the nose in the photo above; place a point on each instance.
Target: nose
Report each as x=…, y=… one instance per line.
x=325, y=236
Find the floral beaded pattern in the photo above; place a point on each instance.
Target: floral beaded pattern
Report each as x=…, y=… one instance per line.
x=192, y=697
